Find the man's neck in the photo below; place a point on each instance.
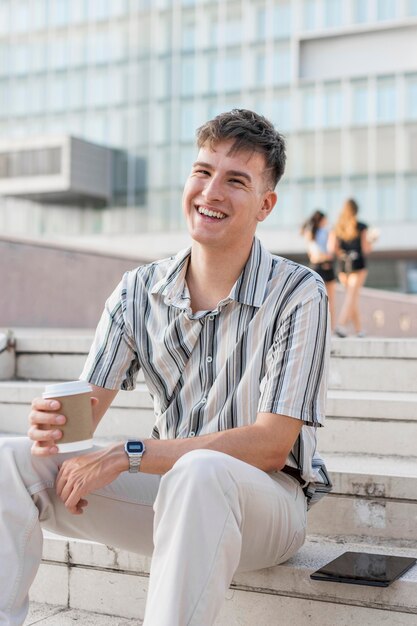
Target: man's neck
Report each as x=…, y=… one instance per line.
x=212, y=273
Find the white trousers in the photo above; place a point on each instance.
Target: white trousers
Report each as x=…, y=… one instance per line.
x=208, y=517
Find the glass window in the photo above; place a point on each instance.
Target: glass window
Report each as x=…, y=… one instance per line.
x=232, y=76
x=412, y=7
x=36, y=96
x=386, y=9
x=188, y=122
x=333, y=198
x=97, y=47
x=360, y=103
x=38, y=55
x=98, y=9
x=261, y=23
x=77, y=11
x=58, y=12
x=332, y=13
x=4, y=59
x=116, y=86
x=116, y=128
x=57, y=95
x=260, y=69
x=333, y=106
x=282, y=65
x=19, y=17
x=281, y=112
x=233, y=30
x=117, y=44
x=163, y=78
x=386, y=101
x=412, y=198
x=4, y=99
x=386, y=199
x=96, y=127
x=4, y=17
x=188, y=34
x=281, y=22
x=309, y=108
x=360, y=11
x=96, y=89
x=411, y=103
x=58, y=53
x=18, y=97
x=76, y=90
x=162, y=123
x=20, y=59
x=77, y=50
x=310, y=14
x=187, y=76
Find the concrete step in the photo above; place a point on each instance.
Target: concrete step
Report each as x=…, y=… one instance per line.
x=131, y=414
x=92, y=577
x=50, y=615
x=370, y=422
x=362, y=422
x=373, y=496
x=356, y=364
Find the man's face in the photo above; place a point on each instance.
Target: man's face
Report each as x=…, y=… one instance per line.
x=225, y=196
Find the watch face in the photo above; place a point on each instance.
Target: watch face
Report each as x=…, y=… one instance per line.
x=135, y=447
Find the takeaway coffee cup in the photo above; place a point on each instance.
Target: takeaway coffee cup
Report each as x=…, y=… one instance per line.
x=75, y=399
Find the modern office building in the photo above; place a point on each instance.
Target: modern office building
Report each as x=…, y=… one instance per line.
x=133, y=79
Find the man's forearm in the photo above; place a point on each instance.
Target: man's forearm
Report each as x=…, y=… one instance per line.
x=257, y=444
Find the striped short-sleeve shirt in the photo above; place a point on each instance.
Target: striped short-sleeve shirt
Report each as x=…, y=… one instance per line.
x=264, y=348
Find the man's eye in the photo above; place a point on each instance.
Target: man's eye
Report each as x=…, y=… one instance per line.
x=205, y=172
x=237, y=180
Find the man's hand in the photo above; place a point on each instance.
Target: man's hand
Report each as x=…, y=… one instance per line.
x=44, y=422
x=81, y=475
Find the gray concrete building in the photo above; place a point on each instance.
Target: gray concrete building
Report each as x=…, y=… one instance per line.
x=128, y=81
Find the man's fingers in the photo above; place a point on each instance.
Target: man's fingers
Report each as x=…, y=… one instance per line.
x=40, y=417
x=43, y=448
x=43, y=435
x=39, y=404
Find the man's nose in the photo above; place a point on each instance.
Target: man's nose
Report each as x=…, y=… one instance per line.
x=213, y=190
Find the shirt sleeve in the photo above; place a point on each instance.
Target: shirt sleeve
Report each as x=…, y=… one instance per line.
x=295, y=382
x=112, y=362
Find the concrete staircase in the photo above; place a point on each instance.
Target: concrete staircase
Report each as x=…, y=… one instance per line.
x=370, y=446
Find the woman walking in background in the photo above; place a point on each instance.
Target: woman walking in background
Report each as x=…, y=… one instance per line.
x=351, y=245
x=316, y=233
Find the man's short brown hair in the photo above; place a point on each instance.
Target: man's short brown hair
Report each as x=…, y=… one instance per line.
x=249, y=132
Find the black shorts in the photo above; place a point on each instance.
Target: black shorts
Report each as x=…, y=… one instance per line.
x=325, y=270
x=351, y=262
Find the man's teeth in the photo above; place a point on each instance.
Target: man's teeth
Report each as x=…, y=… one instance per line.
x=210, y=213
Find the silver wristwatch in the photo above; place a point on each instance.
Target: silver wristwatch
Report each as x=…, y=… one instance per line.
x=135, y=450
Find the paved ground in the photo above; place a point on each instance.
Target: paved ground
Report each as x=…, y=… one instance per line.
x=48, y=615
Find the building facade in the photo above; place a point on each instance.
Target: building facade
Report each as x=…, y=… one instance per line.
x=337, y=77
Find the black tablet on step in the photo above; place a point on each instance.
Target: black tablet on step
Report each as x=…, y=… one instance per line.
x=363, y=568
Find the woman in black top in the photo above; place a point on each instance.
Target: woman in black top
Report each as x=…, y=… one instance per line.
x=351, y=246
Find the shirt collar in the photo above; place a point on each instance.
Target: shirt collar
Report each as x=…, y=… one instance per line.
x=250, y=287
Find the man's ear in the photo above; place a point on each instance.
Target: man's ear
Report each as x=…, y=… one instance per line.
x=268, y=204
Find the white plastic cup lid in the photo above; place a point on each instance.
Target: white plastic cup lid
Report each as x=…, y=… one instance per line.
x=66, y=389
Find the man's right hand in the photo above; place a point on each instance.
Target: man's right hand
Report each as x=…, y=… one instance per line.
x=44, y=426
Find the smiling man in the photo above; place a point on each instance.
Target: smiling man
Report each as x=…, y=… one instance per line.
x=233, y=345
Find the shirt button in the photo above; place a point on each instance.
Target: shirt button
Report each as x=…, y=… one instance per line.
x=209, y=359
x=203, y=400
x=192, y=434
x=211, y=317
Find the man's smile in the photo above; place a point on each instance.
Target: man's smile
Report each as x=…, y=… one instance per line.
x=203, y=210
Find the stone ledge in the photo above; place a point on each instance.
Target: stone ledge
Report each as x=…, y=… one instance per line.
x=291, y=579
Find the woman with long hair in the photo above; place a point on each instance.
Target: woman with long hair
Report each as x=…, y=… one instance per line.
x=316, y=233
x=351, y=245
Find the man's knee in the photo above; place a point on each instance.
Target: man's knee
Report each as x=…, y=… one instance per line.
x=199, y=470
